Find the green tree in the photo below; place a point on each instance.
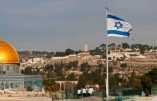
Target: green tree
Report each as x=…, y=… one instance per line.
x=50, y=85
x=58, y=54
x=135, y=81
x=71, y=77
x=48, y=68
x=125, y=45
x=27, y=71
x=96, y=51
x=123, y=65
x=69, y=51
x=142, y=50
x=115, y=80
x=60, y=67
x=133, y=46
x=153, y=75
x=71, y=64
x=85, y=67
x=82, y=80
x=112, y=46
x=29, y=89
x=146, y=81
x=110, y=69
x=102, y=47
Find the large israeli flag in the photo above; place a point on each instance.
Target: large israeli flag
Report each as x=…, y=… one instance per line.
x=117, y=27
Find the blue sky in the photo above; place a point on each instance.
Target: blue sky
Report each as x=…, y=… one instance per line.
x=55, y=25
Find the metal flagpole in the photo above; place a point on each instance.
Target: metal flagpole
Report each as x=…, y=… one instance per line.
x=107, y=74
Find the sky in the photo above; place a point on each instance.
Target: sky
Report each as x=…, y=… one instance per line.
x=55, y=25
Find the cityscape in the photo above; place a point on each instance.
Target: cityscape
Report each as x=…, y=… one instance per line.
x=78, y=51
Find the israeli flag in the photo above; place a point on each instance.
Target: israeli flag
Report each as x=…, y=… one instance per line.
x=117, y=27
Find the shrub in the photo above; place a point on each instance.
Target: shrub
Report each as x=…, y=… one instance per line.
x=29, y=89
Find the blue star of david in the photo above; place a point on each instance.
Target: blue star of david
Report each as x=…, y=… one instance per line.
x=118, y=25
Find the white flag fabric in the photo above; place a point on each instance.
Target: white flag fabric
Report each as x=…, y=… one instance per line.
x=117, y=27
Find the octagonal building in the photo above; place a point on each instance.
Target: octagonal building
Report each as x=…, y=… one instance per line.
x=10, y=76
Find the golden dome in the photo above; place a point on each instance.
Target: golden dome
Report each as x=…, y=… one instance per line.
x=8, y=54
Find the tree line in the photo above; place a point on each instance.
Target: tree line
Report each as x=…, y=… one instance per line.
x=100, y=50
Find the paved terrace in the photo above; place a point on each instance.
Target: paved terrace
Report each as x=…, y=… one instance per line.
x=83, y=99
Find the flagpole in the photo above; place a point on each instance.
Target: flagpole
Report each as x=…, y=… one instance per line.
x=107, y=74
x=124, y=30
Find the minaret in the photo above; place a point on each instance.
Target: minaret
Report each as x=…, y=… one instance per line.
x=85, y=47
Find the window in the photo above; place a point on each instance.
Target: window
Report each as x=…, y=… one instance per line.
x=7, y=68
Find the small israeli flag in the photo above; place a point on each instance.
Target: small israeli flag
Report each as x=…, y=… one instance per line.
x=117, y=27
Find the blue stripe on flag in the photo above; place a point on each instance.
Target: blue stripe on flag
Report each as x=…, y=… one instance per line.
x=114, y=17
x=118, y=32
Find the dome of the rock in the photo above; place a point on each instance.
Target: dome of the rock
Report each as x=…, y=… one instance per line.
x=8, y=54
